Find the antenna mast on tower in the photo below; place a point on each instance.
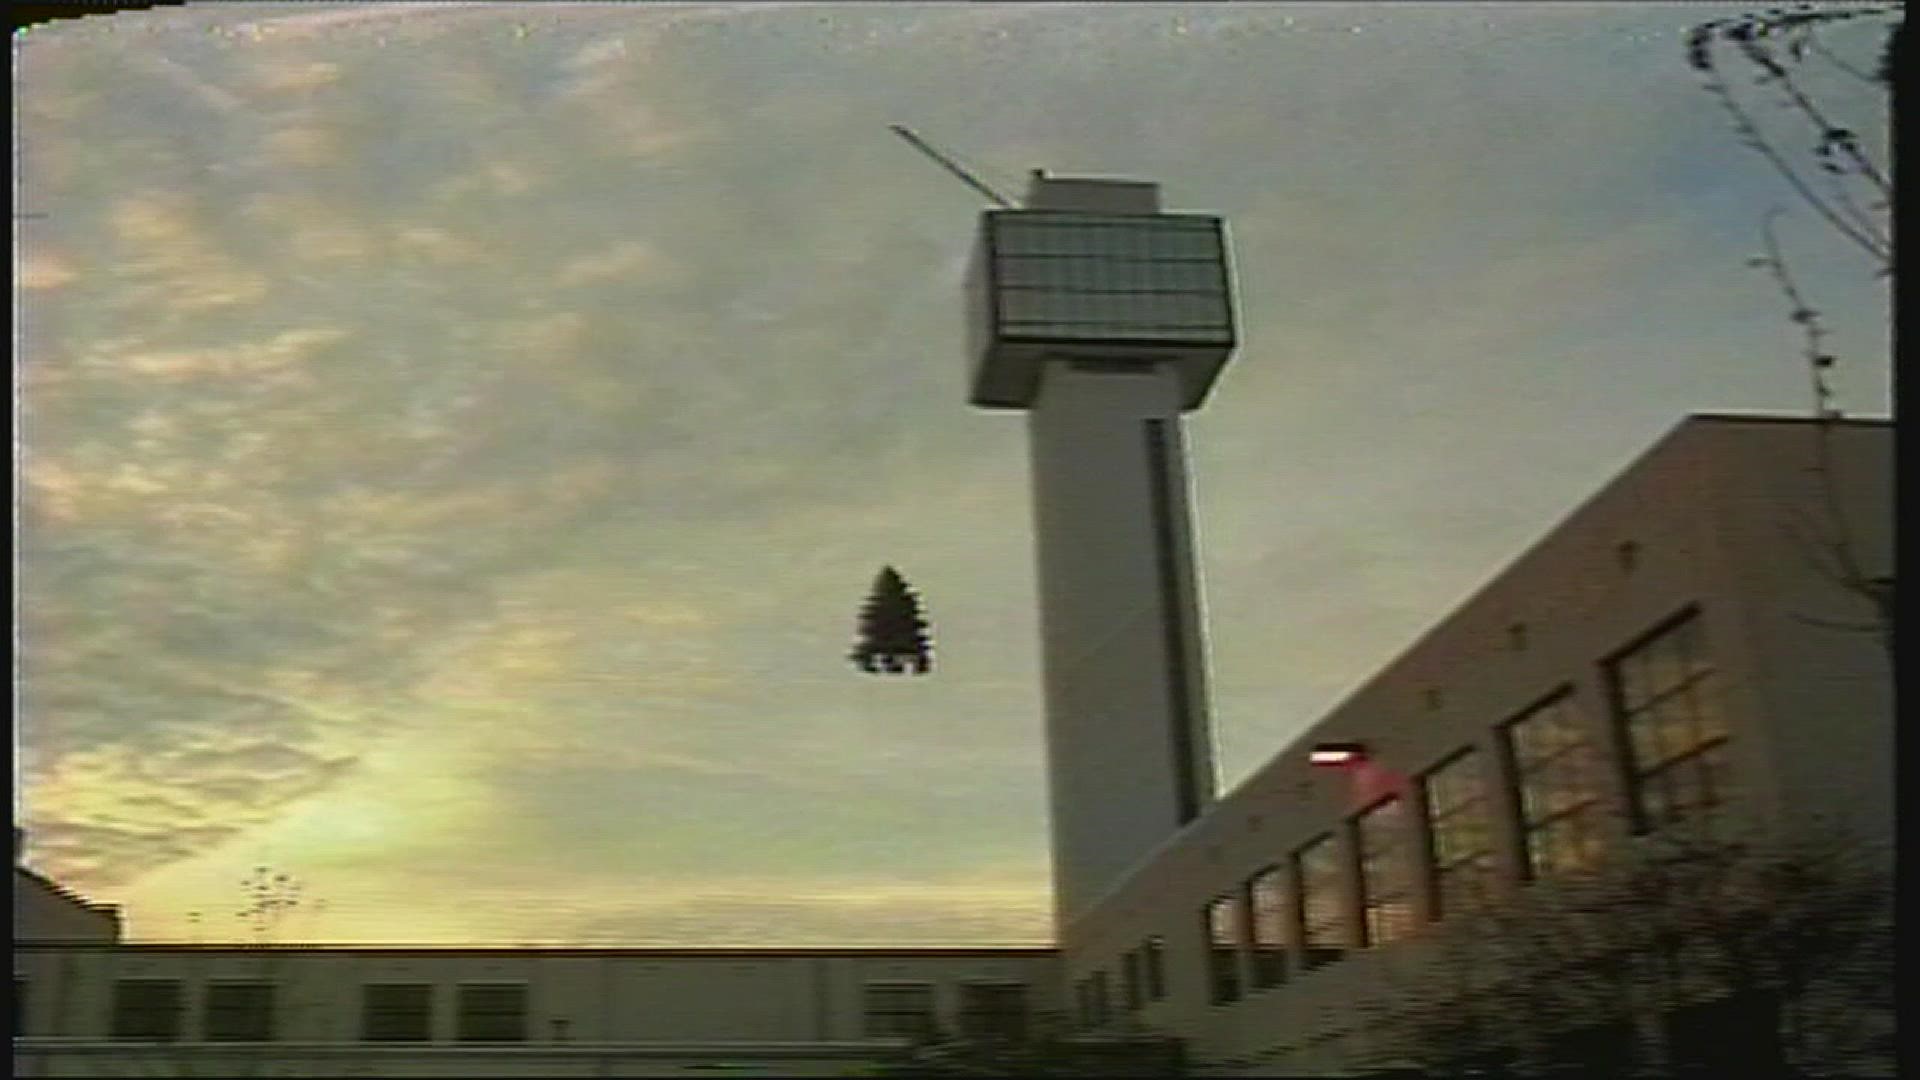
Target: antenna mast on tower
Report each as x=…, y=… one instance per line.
x=947, y=163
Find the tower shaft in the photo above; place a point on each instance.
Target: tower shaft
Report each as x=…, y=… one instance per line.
x=1128, y=744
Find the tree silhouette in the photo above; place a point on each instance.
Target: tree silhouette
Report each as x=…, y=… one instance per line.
x=893, y=632
x=1747, y=955
x=1773, y=52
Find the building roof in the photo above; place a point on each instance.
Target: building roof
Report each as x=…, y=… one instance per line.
x=641, y=951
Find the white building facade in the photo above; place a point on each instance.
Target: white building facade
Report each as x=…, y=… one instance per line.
x=127, y=1010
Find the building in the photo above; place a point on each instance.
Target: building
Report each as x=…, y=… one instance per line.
x=1671, y=653
x=45, y=911
x=127, y=1009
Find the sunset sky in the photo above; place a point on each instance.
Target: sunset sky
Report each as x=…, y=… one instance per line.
x=454, y=439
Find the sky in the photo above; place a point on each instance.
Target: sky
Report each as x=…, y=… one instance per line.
x=453, y=440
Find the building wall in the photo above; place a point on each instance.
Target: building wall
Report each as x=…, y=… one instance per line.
x=1696, y=525
x=43, y=911
x=714, y=1004
x=602, y=994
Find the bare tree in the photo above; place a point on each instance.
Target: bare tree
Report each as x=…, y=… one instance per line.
x=1047, y=1047
x=1773, y=954
x=270, y=900
x=1845, y=180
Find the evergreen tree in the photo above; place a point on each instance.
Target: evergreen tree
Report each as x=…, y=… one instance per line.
x=893, y=632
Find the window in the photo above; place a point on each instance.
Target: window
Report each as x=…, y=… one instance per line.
x=1153, y=964
x=900, y=1010
x=1267, y=915
x=1131, y=992
x=1557, y=772
x=239, y=1012
x=1098, y=276
x=397, y=1012
x=1220, y=925
x=20, y=1007
x=1101, y=1004
x=493, y=1012
x=1323, y=921
x=1386, y=872
x=1461, y=833
x=993, y=1010
x=147, y=1009
x=1667, y=704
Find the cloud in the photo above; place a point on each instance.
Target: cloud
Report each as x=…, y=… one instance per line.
x=44, y=270
x=621, y=259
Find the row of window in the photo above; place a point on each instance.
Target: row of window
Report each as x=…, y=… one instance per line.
x=245, y=1011
x=1671, y=741
x=1670, y=737
x=1143, y=978
x=1020, y=310
x=906, y=1009
x=1081, y=274
x=235, y=1011
x=1125, y=237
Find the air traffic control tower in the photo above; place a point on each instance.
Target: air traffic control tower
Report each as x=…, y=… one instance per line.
x=1105, y=319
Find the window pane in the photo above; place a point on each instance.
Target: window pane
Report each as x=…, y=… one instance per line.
x=1322, y=906
x=1266, y=892
x=993, y=1010
x=239, y=1012
x=493, y=1012
x=1221, y=923
x=1385, y=872
x=147, y=1009
x=1559, y=787
x=397, y=1012
x=1679, y=719
x=1156, y=971
x=1462, y=833
x=899, y=1010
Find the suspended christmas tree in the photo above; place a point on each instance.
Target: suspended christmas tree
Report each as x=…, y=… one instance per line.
x=893, y=633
